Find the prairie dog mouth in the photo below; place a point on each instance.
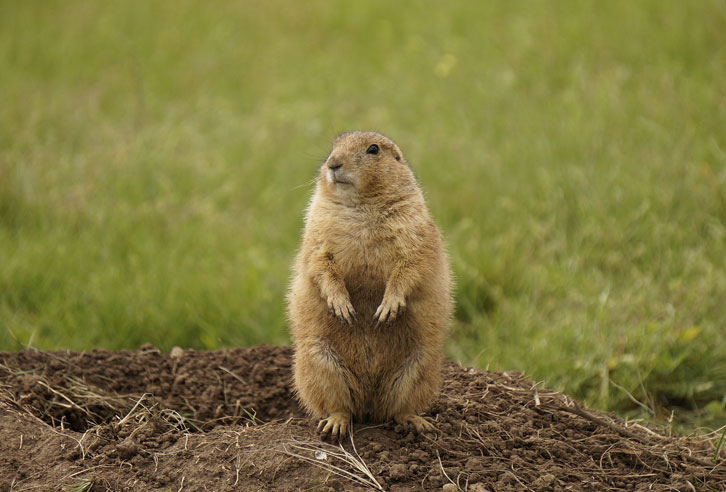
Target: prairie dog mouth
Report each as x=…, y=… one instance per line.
x=337, y=176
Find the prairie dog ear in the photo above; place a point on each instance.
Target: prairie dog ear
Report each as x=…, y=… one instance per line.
x=397, y=154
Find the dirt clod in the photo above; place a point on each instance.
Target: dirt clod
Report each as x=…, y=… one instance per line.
x=228, y=420
x=398, y=471
x=544, y=482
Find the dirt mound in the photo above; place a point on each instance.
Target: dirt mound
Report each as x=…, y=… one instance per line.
x=227, y=420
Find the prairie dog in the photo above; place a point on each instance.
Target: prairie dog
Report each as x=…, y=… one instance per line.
x=370, y=300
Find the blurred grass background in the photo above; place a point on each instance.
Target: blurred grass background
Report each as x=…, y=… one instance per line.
x=156, y=159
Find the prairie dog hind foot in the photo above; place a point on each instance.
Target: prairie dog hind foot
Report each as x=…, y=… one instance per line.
x=336, y=424
x=420, y=424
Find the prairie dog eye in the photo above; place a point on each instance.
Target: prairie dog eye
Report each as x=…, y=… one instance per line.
x=373, y=149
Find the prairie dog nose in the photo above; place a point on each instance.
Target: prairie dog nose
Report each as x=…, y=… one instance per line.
x=334, y=164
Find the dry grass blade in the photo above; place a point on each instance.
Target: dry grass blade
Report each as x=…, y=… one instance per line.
x=441, y=465
x=654, y=445
x=576, y=410
x=91, y=396
x=358, y=462
x=717, y=452
x=123, y=421
x=236, y=376
x=70, y=393
x=307, y=451
x=69, y=402
x=140, y=415
x=81, y=486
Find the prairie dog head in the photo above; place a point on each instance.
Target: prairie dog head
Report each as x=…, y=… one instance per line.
x=365, y=165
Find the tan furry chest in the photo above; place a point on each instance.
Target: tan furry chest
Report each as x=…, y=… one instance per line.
x=363, y=254
x=365, y=243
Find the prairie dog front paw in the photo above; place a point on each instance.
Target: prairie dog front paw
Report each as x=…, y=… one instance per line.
x=390, y=308
x=341, y=307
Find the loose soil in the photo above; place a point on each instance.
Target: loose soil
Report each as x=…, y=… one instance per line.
x=228, y=420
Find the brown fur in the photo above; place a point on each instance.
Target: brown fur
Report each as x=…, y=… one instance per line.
x=370, y=300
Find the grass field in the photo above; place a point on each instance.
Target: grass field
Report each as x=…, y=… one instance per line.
x=156, y=159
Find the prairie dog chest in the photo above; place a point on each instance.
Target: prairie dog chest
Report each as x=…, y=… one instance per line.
x=366, y=250
x=367, y=242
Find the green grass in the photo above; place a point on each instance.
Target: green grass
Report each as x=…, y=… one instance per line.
x=156, y=159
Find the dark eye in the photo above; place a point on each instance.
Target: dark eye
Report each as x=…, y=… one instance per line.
x=373, y=149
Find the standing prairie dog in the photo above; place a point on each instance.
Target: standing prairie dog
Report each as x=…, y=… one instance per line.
x=370, y=300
